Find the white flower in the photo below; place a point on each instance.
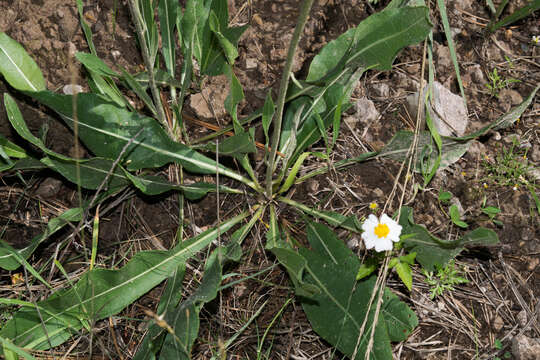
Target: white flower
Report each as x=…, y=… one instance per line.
x=380, y=233
x=535, y=39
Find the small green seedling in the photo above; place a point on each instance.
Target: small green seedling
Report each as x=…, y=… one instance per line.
x=509, y=168
x=444, y=279
x=499, y=346
x=498, y=83
x=491, y=212
x=403, y=268
x=444, y=196
x=456, y=217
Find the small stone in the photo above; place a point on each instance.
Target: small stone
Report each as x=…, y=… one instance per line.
x=440, y=305
x=48, y=188
x=477, y=74
x=533, y=263
x=353, y=243
x=71, y=89
x=378, y=193
x=522, y=318
x=313, y=185
x=215, y=92
x=366, y=111
x=199, y=106
x=448, y=110
x=351, y=121
x=443, y=56
x=512, y=138
x=511, y=96
x=498, y=323
x=72, y=49
x=535, y=153
x=463, y=4
x=534, y=173
x=381, y=90
x=525, y=348
x=251, y=63
x=477, y=149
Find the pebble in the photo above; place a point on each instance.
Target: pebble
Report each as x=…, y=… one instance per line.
x=381, y=89
x=525, y=348
x=251, y=63
x=498, y=323
x=477, y=74
x=477, y=150
x=366, y=111
x=533, y=263
x=71, y=89
x=522, y=318
x=448, y=112
x=535, y=153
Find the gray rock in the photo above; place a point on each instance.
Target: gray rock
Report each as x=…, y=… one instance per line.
x=535, y=153
x=509, y=98
x=48, y=188
x=477, y=74
x=525, y=348
x=522, y=318
x=448, y=110
x=381, y=90
x=366, y=111
x=210, y=102
x=251, y=63
x=477, y=149
x=71, y=89
x=463, y=4
x=443, y=56
x=534, y=173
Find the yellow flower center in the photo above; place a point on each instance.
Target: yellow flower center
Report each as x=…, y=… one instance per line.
x=381, y=230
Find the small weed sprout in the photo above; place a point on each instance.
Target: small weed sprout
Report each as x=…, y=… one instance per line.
x=510, y=167
x=498, y=83
x=443, y=279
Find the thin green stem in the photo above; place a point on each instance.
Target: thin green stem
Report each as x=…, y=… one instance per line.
x=302, y=18
x=137, y=19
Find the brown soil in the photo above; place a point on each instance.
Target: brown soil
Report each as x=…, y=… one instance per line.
x=461, y=324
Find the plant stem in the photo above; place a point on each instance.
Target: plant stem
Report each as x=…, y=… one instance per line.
x=302, y=18
x=137, y=19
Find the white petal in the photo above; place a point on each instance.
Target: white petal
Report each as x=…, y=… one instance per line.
x=395, y=232
x=385, y=219
x=393, y=226
x=383, y=245
x=370, y=223
x=369, y=240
